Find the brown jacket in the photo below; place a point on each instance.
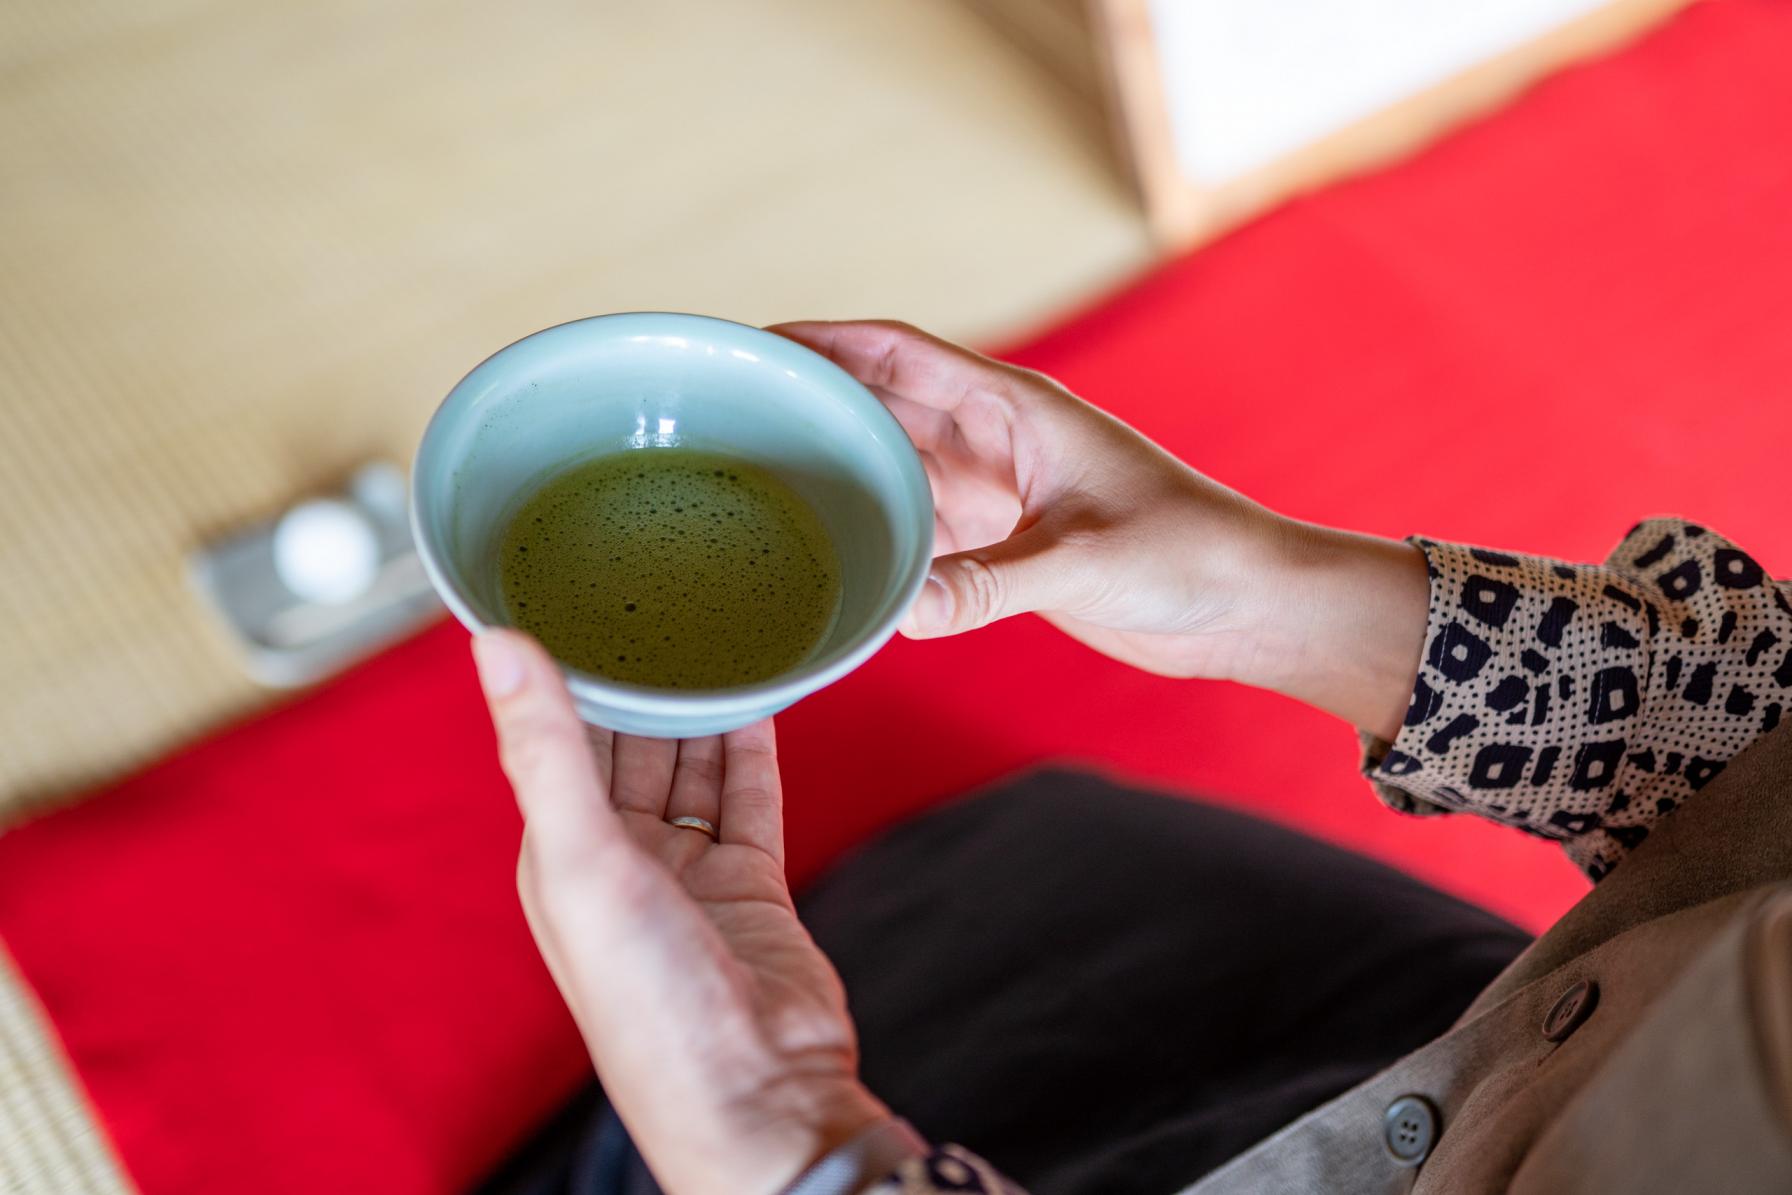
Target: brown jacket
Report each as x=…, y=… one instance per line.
x=1680, y=1078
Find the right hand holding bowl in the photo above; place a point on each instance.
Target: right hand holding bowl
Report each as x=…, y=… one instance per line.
x=1047, y=504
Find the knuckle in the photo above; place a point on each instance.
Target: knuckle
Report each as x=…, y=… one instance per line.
x=896, y=327
x=700, y=768
x=765, y=756
x=519, y=755
x=981, y=591
x=753, y=798
x=1029, y=385
x=529, y=742
x=631, y=792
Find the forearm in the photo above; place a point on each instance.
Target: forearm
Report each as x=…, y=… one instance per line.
x=1578, y=702
x=1347, y=625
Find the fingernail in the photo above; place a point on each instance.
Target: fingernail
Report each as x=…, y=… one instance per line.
x=500, y=665
x=933, y=609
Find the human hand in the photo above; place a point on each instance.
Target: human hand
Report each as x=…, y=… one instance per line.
x=1047, y=504
x=718, y=1029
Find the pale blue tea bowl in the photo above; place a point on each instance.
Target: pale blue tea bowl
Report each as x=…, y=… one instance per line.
x=650, y=379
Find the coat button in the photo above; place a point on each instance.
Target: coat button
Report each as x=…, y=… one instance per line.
x=1571, y=1010
x=1409, y=1127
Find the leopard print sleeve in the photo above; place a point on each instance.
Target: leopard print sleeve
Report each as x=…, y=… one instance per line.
x=1583, y=703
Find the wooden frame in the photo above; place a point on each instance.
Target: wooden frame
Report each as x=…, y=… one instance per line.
x=1183, y=211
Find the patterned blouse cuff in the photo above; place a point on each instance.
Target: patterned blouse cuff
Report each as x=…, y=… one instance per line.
x=1374, y=750
x=1584, y=702
x=1518, y=650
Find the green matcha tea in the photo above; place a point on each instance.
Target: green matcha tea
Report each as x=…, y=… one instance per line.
x=672, y=568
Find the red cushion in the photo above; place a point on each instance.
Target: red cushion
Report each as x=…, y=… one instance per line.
x=290, y=958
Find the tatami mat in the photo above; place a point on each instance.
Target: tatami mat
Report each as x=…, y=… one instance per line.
x=245, y=246
x=49, y=1144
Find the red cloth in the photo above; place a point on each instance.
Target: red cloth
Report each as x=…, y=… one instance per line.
x=290, y=958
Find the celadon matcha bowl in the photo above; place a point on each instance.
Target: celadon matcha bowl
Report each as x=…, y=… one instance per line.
x=643, y=380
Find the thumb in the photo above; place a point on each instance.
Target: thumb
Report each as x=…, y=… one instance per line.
x=545, y=752
x=1027, y=571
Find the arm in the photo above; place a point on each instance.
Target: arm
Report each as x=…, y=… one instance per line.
x=1576, y=702
x=1354, y=628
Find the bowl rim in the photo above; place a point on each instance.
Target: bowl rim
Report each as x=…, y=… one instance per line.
x=776, y=691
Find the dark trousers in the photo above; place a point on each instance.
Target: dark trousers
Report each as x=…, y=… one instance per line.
x=1102, y=989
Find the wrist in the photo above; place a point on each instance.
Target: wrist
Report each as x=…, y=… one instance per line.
x=1346, y=625
x=831, y=1117
x=862, y=1161
x=805, y=1122
x=1225, y=614
x=1277, y=571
